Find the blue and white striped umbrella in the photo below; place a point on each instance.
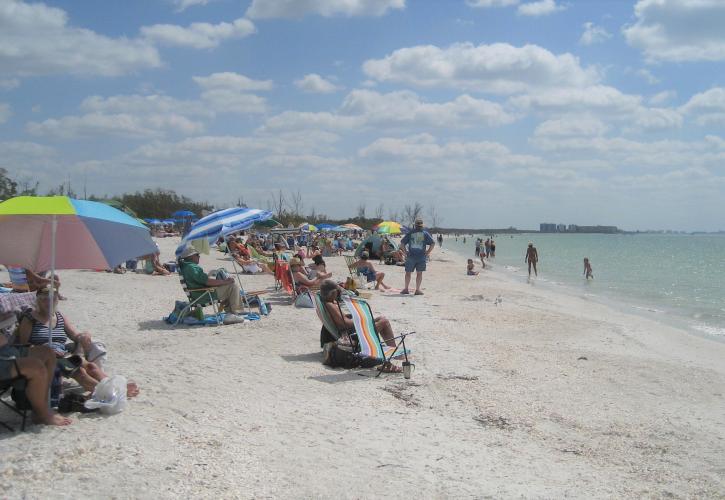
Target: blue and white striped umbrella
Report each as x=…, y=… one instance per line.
x=211, y=226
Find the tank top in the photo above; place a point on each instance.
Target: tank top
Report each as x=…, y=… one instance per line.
x=39, y=333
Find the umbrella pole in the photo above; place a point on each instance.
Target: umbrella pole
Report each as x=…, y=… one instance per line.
x=51, y=292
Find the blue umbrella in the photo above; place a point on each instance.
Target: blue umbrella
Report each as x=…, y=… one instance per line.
x=152, y=221
x=183, y=213
x=168, y=221
x=325, y=227
x=211, y=226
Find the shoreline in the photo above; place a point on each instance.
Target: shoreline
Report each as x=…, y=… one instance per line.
x=663, y=314
x=539, y=395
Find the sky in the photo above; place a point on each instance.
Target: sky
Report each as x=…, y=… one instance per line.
x=492, y=113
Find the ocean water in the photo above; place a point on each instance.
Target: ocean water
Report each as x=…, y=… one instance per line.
x=678, y=278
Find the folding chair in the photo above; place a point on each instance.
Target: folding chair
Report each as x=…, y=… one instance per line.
x=198, y=298
x=354, y=271
x=20, y=405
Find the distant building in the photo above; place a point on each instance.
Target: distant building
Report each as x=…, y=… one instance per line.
x=547, y=228
x=573, y=228
x=561, y=228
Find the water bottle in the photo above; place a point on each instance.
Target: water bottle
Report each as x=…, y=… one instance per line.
x=262, y=307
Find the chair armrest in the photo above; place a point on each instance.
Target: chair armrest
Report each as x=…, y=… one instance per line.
x=201, y=289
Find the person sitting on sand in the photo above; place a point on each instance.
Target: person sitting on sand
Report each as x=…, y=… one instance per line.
x=226, y=290
x=365, y=267
x=532, y=257
x=330, y=292
x=303, y=281
x=33, y=329
x=318, y=268
x=37, y=365
x=470, y=268
x=588, y=268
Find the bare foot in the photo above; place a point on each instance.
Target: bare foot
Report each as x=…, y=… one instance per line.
x=52, y=419
x=132, y=390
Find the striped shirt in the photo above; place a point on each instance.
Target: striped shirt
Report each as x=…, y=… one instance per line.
x=39, y=333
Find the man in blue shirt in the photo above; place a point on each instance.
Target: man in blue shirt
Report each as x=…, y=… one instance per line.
x=416, y=246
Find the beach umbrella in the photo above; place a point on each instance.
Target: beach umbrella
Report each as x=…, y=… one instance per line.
x=325, y=227
x=168, y=221
x=153, y=222
x=308, y=228
x=341, y=229
x=45, y=233
x=230, y=220
x=183, y=214
x=352, y=227
x=120, y=206
x=269, y=223
x=388, y=227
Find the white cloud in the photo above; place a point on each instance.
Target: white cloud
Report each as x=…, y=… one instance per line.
x=540, y=8
x=678, y=30
x=198, y=35
x=594, y=98
x=707, y=107
x=327, y=8
x=182, y=5
x=36, y=40
x=662, y=97
x=227, y=92
x=572, y=125
x=498, y=68
x=132, y=116
x=232, y=81
x=593, y=34
x=5, y=112
x=647, y=76
x=401, y=109
x=491, y=3
x=314, y=83
x=9, y=83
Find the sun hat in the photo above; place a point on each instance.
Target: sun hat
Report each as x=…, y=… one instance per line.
x=188, y=252
x=365, y=255
x=295, y=261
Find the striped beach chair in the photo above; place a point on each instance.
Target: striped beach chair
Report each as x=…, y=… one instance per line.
x=369, y=342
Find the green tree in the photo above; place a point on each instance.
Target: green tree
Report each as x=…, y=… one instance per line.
x=8, y=187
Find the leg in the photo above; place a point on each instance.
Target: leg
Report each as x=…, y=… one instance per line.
x=418, y=281
x=529, y=269
x=535, y=272
x=46, y=356
x=382, y=325
x=379, y=281
x=407, y=282
x=37, y=390
x=229, y=294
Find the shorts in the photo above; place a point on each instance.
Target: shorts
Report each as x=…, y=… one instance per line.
x=6, y=366
x=415, y=264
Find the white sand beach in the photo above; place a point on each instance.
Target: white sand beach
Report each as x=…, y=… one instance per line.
x=539, y=396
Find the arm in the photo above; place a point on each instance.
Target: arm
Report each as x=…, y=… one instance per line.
x=73, y=333
x=304, y=280
x=337, y=316
x=430, y=249
x=24, y=329
x=215, y=282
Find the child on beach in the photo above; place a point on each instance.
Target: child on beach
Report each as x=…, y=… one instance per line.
x=588, y=268
x=469, y=269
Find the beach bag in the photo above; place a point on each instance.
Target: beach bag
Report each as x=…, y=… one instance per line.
x=305, y=300
x=109, y=395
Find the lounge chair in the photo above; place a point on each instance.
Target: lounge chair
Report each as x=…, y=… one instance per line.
x=368, y=340
x=365, y=340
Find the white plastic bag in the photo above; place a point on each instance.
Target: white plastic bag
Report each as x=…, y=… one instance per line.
x=109, y=395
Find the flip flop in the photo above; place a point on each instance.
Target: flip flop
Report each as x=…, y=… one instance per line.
x=418, y=293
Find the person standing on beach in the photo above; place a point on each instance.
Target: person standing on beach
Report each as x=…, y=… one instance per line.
x=532, y=256
x=588, y=268
x=493, y=248
x=416, y=246
x=478, y=246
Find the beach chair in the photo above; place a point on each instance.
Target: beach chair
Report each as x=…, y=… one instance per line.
x=354, y=271
x=369, y=343
x=16, y=386
x=204, y=297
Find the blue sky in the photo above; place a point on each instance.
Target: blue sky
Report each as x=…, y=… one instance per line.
x=492, y=112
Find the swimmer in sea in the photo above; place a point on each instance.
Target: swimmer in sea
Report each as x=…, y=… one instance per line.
x=532, y=257
x=588, y=268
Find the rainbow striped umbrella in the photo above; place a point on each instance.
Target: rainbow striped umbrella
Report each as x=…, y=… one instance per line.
x=388, y=227
x=56, y=232
x=44, y=233
x=307, y=228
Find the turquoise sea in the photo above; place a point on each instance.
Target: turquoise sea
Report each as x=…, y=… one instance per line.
x=677, y=278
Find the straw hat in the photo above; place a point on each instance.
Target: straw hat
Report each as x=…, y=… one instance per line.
x=295, y=261
x=188, y=252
